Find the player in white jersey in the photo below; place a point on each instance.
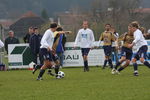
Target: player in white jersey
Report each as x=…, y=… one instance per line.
x=85, y=39
x=141, y=46
x=46, y=49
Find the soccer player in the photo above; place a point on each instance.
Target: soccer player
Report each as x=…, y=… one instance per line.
x=85, y=38
x=107, y=37
x=46, y=49
x=126, y=52
x=141, y=46
x=114, y=49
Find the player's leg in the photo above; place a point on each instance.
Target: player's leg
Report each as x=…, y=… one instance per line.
x=47, y=56
x=85, y=52
x=143, y=56
x=135, y=66
x=124, y=66
x=106, y=57
x=114, y=70
x=128, y=57
x=38, y=66
x=43, y=68
x=109, y=53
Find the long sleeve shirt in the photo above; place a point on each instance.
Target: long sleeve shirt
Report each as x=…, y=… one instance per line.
x=47, y=39
x=139, y=39
x=85, y=38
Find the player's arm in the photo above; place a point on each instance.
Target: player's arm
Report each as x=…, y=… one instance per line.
x=137, y=37
x=44, y=41
x=92, y=39
x=77, y=40
x=100, y=39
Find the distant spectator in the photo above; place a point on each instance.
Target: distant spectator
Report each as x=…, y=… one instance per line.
x=27, y=36
x=11, y=39
x=34, y=44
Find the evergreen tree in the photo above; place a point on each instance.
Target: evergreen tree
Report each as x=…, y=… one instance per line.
x=44, y=14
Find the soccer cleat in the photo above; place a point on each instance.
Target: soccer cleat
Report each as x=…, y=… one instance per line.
x=117, y=72
x=135, y=74
x=113, y=71
x=39, y=79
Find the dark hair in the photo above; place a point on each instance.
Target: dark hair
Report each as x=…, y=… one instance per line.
x=136, y=25
x=35, y=28
x=108, y=24
x=59, y=29
x=53, y=25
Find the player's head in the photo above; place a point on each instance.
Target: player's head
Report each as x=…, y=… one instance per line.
x=134, y=26
x=107, y=27
x=31, y=30
x=36, y=30
x=53, y=27
x=59, y=29
x=11, y=33
x=129, y=28
x=85, y=24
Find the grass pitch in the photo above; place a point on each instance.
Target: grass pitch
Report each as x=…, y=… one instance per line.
x=97, y=84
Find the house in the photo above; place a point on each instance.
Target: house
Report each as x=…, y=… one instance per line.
x=20, y=27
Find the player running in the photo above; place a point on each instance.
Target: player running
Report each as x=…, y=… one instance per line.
x=126, y=52
x=46, y=49
x=141, y=46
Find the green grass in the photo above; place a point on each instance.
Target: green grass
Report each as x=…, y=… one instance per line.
x=97, y=84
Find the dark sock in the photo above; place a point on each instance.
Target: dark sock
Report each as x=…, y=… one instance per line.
x=41, y=73
x=118, y=64
x=110, y=63
x=56, y=69
x=38, y=66
x=135, y=66
x=105, y=63
x=120, y=69
x=85, y=64
x=147, y=64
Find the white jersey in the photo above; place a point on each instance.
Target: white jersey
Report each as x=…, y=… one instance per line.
x=47, y=39
x=139, y=39
x=85, y=38
x=1, y=44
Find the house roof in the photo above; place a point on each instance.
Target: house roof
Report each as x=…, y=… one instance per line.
x=142, y=10
x=29, y=14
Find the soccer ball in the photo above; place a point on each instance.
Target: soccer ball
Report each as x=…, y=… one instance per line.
x=61, y=74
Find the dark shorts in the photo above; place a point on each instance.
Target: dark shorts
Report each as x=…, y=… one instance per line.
x=85, y=51
x=126, y=52
x=141, y=52
x=55, y=57
x=107, y=50
x=47, y=55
